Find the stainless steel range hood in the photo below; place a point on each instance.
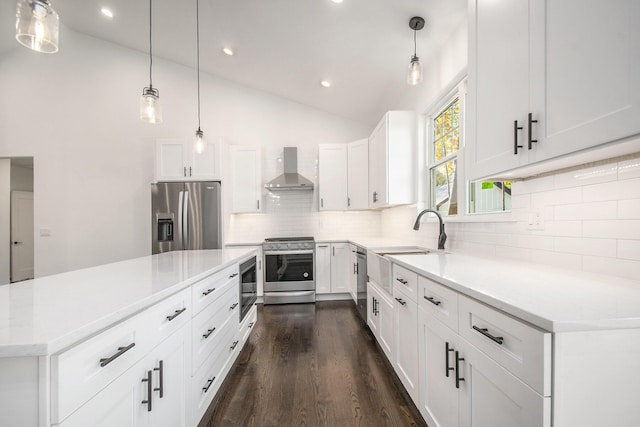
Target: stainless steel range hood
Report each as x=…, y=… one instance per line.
x=290, y=179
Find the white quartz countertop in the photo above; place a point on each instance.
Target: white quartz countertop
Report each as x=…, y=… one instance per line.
x=553, y=299
x=45, y=315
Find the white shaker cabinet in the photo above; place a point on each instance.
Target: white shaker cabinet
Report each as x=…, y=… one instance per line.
x=380, y=318
x=358, y=175
x=332, y=268
x=176, y=161
x=332, y=177
x=405, y=315
x=353, y=272
x=392, y=161
x=246, y=179
x=545, y=81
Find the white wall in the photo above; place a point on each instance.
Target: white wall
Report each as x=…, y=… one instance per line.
x=76, y=113
x=5, y=217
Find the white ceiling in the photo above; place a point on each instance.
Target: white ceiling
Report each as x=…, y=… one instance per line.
x=284, y=47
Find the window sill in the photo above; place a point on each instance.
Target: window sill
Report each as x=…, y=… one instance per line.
x=486, y=217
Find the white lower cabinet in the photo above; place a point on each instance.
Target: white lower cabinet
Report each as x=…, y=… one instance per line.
x=380, y=318
x=353, y=272
x=332, y=268
x=405, y=362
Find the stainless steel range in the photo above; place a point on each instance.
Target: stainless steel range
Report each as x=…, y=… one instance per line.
x=289, y=270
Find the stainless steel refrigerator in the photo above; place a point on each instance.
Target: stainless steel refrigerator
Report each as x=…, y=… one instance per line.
x=186, y=215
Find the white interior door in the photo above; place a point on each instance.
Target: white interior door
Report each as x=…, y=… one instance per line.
x=21, y=235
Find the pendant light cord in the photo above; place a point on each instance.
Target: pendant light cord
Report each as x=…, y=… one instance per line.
x=414, y=42
x=150, y=45
x=198, y=57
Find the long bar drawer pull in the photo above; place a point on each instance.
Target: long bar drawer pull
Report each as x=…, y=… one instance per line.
x=208, y=386
x=208, y=291
x=458, y=377
x=176, y=314
x=208, y=334
x=404, y=282
x=447, y=350
x=160, y=370
x=251, y=325
x=149, y=390
x=233, y=306
x=433, y=301
x=401, y=301
x=485, y=332
x=233, y=275
x=233, y=346
x=121, y=350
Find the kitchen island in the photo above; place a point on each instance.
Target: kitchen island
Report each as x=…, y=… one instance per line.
x=68, y=337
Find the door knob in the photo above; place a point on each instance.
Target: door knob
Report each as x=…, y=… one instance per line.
x=18, y=243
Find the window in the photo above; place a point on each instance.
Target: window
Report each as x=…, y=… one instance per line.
x=444, y=167
x=445, y=159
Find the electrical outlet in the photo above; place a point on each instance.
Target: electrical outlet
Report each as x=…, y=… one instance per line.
x=45, y=232
x=536, y=221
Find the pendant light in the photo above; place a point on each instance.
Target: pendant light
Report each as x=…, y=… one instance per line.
x=199, y=144
x=150, y=108
x=37, y=25
x=415, y=67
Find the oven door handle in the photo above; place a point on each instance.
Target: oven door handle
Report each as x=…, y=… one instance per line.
x=293, y=252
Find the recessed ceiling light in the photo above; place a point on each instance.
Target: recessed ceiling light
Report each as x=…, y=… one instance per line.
x=227, y=51
x=325, y=83
x=106, y=12
x=337, y=1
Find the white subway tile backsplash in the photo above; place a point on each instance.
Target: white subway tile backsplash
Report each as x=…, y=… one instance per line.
x=585, y=246
x=520, y=201
x=594, y=210
x=563, y=196
x=562, y=228
x=629, y=209
x=629, y=169
x=616, y=190
x=629, y=249
x=612, y=266
x=535, y=185
x=616, y=229
x=511, y=253
x=556, y=259
x=582, y=177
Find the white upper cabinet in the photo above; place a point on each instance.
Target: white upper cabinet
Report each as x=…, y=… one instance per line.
x=246, y=179
x=176, y=161
x=332, y=177
x=392, y=160
x=358, y=174
x=545, y=81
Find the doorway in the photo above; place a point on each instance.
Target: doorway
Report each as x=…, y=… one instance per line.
x=16, y=219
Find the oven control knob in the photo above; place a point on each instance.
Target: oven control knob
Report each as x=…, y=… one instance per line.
x=305, y=275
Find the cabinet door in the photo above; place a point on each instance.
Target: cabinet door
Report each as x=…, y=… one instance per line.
x=246, y=179
x=353, y=272
x=358, y=174
x=386, y=326
x=492, y=397
x=170, y=372
x=438, y=394
x=204, y=166
x=340, y=268
x=332, y=177
x=585, y=88
x=372, y=310
x=378, y=165
x=119, y=404
x=498, y=94
x=406, y=342
x=323, y=268
x=170, y=160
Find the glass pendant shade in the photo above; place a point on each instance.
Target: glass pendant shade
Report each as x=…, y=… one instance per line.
x=415, y=71
x=150, y=107
x=199, y=145
x=37, y=25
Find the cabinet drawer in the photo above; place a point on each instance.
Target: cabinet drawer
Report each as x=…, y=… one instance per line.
x=210, y=324
x=207, y=290
x=82, y=371
x=209, y=377
x=166, y=317
x=440, y=301
x=522, y=349
x=248, y=324
x=406, y=281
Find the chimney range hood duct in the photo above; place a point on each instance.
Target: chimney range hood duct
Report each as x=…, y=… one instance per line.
x=290, y=179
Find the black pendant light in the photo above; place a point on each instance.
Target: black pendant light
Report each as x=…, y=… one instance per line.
x=199, y=144
x=150, y=108
x=415, y=67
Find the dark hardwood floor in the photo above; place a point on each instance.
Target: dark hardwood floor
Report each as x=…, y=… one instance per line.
x=311, y=365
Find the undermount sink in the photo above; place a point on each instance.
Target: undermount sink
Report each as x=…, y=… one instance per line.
x=411, y=250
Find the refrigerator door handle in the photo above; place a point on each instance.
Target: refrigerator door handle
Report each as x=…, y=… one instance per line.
x=185, y=221
x=180, y=217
